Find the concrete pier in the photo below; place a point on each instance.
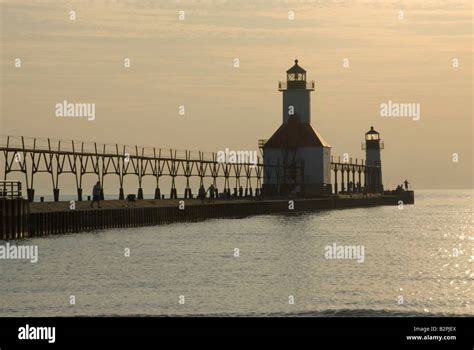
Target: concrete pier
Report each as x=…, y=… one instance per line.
x=58, y=218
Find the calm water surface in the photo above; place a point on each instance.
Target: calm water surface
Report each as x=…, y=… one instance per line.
x=409, y=253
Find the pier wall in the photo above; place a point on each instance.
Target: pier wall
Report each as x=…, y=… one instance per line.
x=14, y=215
x=45, y=222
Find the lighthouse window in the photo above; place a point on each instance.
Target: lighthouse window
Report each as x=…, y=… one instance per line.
x=300, y=77
x=291, y=77
x=372, y=137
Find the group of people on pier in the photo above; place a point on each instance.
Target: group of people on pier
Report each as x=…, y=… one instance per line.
x=214, y=193
x=202, y=193
x=400, y=187
x=354, y=188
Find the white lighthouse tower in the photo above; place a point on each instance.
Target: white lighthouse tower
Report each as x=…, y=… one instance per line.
x=295, y=146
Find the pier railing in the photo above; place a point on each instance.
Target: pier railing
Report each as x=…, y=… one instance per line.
x=13, y=211
x=308, y=85
x=10, y=189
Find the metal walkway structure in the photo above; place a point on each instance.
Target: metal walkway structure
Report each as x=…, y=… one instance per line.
x=348, y=171
x=31, y=156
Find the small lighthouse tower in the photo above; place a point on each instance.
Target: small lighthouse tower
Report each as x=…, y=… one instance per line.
x=295, y=146
x=296, y=94
x=372, y=146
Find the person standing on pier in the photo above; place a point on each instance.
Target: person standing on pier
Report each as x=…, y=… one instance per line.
x=202, y=193
x=96, y=194
x=211, y=193
x=406, y=185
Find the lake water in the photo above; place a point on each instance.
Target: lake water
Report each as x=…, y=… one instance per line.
x=418, y=260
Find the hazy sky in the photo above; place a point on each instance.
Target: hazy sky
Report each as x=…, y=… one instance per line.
x=191, y=63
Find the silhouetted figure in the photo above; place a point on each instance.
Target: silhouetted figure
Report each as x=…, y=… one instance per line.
x=202, y=193
x=211, y=193
x=406, y=184
x=96, y=194
x=241, y=191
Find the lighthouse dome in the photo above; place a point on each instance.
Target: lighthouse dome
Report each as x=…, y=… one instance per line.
x=296, y=68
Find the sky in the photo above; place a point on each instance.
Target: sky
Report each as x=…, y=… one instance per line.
x=360, y=54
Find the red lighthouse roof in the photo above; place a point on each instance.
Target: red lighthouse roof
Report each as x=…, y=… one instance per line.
x=295, y=134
